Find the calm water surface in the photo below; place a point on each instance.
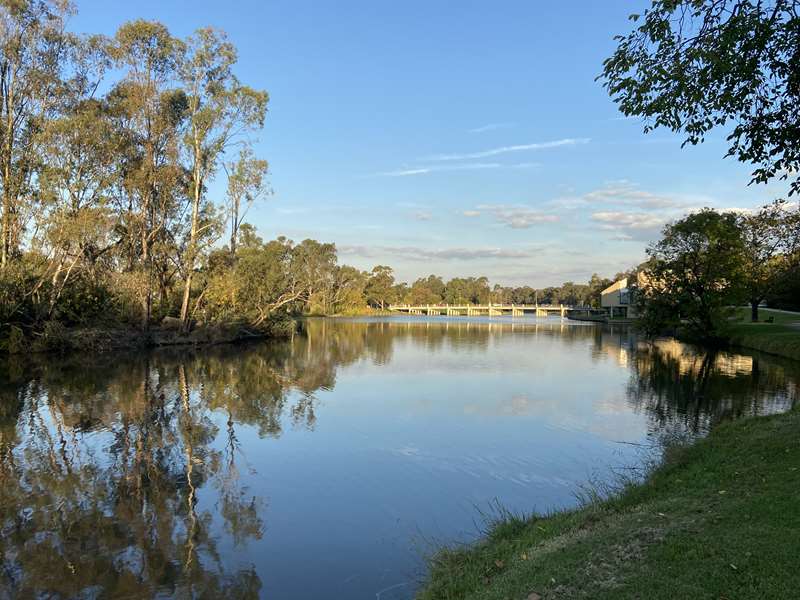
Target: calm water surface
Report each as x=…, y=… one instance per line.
x=328, y=465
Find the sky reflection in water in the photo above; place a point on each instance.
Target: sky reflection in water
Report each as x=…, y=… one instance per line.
x=327, y=465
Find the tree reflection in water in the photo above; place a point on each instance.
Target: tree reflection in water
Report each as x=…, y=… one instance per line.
x=119, y=476
x=685, y=389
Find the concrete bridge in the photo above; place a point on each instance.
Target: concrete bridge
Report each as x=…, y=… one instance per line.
x=474, y=310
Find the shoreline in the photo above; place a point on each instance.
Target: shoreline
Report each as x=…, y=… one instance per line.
x=105, y=339
x=719, y=518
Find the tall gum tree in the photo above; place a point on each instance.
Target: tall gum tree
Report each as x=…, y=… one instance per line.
x=220, y=111
x=150, y=114
x=33, y=47
x=78, y=173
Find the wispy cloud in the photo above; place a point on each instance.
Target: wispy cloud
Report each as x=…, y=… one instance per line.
x=422, y=215
x=471, y=213
x=491, y=127
x=624, y=192
x=507, y=149
x=415, y=253
x=631, y=225
x=463, y=167
x=518, y=217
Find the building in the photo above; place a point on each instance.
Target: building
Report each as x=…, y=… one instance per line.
x=617, y=299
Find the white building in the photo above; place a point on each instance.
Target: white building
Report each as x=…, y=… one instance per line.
x=617, y=299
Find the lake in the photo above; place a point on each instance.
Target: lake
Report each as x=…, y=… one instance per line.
x=330, y=464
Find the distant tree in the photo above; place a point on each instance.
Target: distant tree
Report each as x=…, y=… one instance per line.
x=771, y=251
x=246, y=184
x=348, y=294
x=694, y=274
x=380, y=286
x=596, y=285
x=429, y=290
x=694, y=65
x=574, y=294
x=400, y=292
x=786, y=293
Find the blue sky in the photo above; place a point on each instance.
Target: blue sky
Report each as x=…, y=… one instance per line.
x=459, y=139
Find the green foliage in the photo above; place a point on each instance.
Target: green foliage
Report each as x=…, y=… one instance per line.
x=84, y=301
x=15, y=343
x=785, y=294
x=695, y=65
x=380, y=288
x=771, y=253
x=718, y=520
x=694, y=274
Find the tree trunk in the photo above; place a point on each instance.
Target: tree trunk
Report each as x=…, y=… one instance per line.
x=754, y=310
x=5, y=231
x=234, y=224
x=191, y=251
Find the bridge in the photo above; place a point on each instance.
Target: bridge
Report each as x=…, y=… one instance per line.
x=476, y=310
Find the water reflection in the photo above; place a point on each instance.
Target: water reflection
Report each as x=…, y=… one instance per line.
x=685, y=388
x=148, y=476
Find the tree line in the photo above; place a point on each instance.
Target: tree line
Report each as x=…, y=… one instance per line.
x=709, y=262
x=108, y=148
x=697, y=66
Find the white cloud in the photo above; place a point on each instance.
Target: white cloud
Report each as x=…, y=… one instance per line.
x=463, y=167
x=629, y=226
x=422, y=215
x=415, y=253
x=515, y=148
x=518, y=217
x=626, y=193
x=471, y=213
x=491, y=127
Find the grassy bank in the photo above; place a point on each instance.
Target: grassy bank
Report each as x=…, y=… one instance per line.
x=719, y=519
x=781, y=337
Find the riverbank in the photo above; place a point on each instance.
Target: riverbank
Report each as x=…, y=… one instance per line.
x=718, y=519
x=781, y=337
x=54, y=337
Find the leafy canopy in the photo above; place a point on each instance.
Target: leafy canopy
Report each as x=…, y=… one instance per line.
x=694, y=65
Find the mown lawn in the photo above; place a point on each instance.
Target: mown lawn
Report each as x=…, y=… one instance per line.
x=782, y=337
x=719, y=520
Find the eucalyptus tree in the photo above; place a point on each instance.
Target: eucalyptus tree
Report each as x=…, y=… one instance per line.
x=220, y=111
x=78, y=174
x=380, y=286
x=348, y=291
x=150, y=114
x=246, y=184
x=33, y=47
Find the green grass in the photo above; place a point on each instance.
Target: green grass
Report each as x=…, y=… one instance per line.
x=782, y=337
x=719, y=519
